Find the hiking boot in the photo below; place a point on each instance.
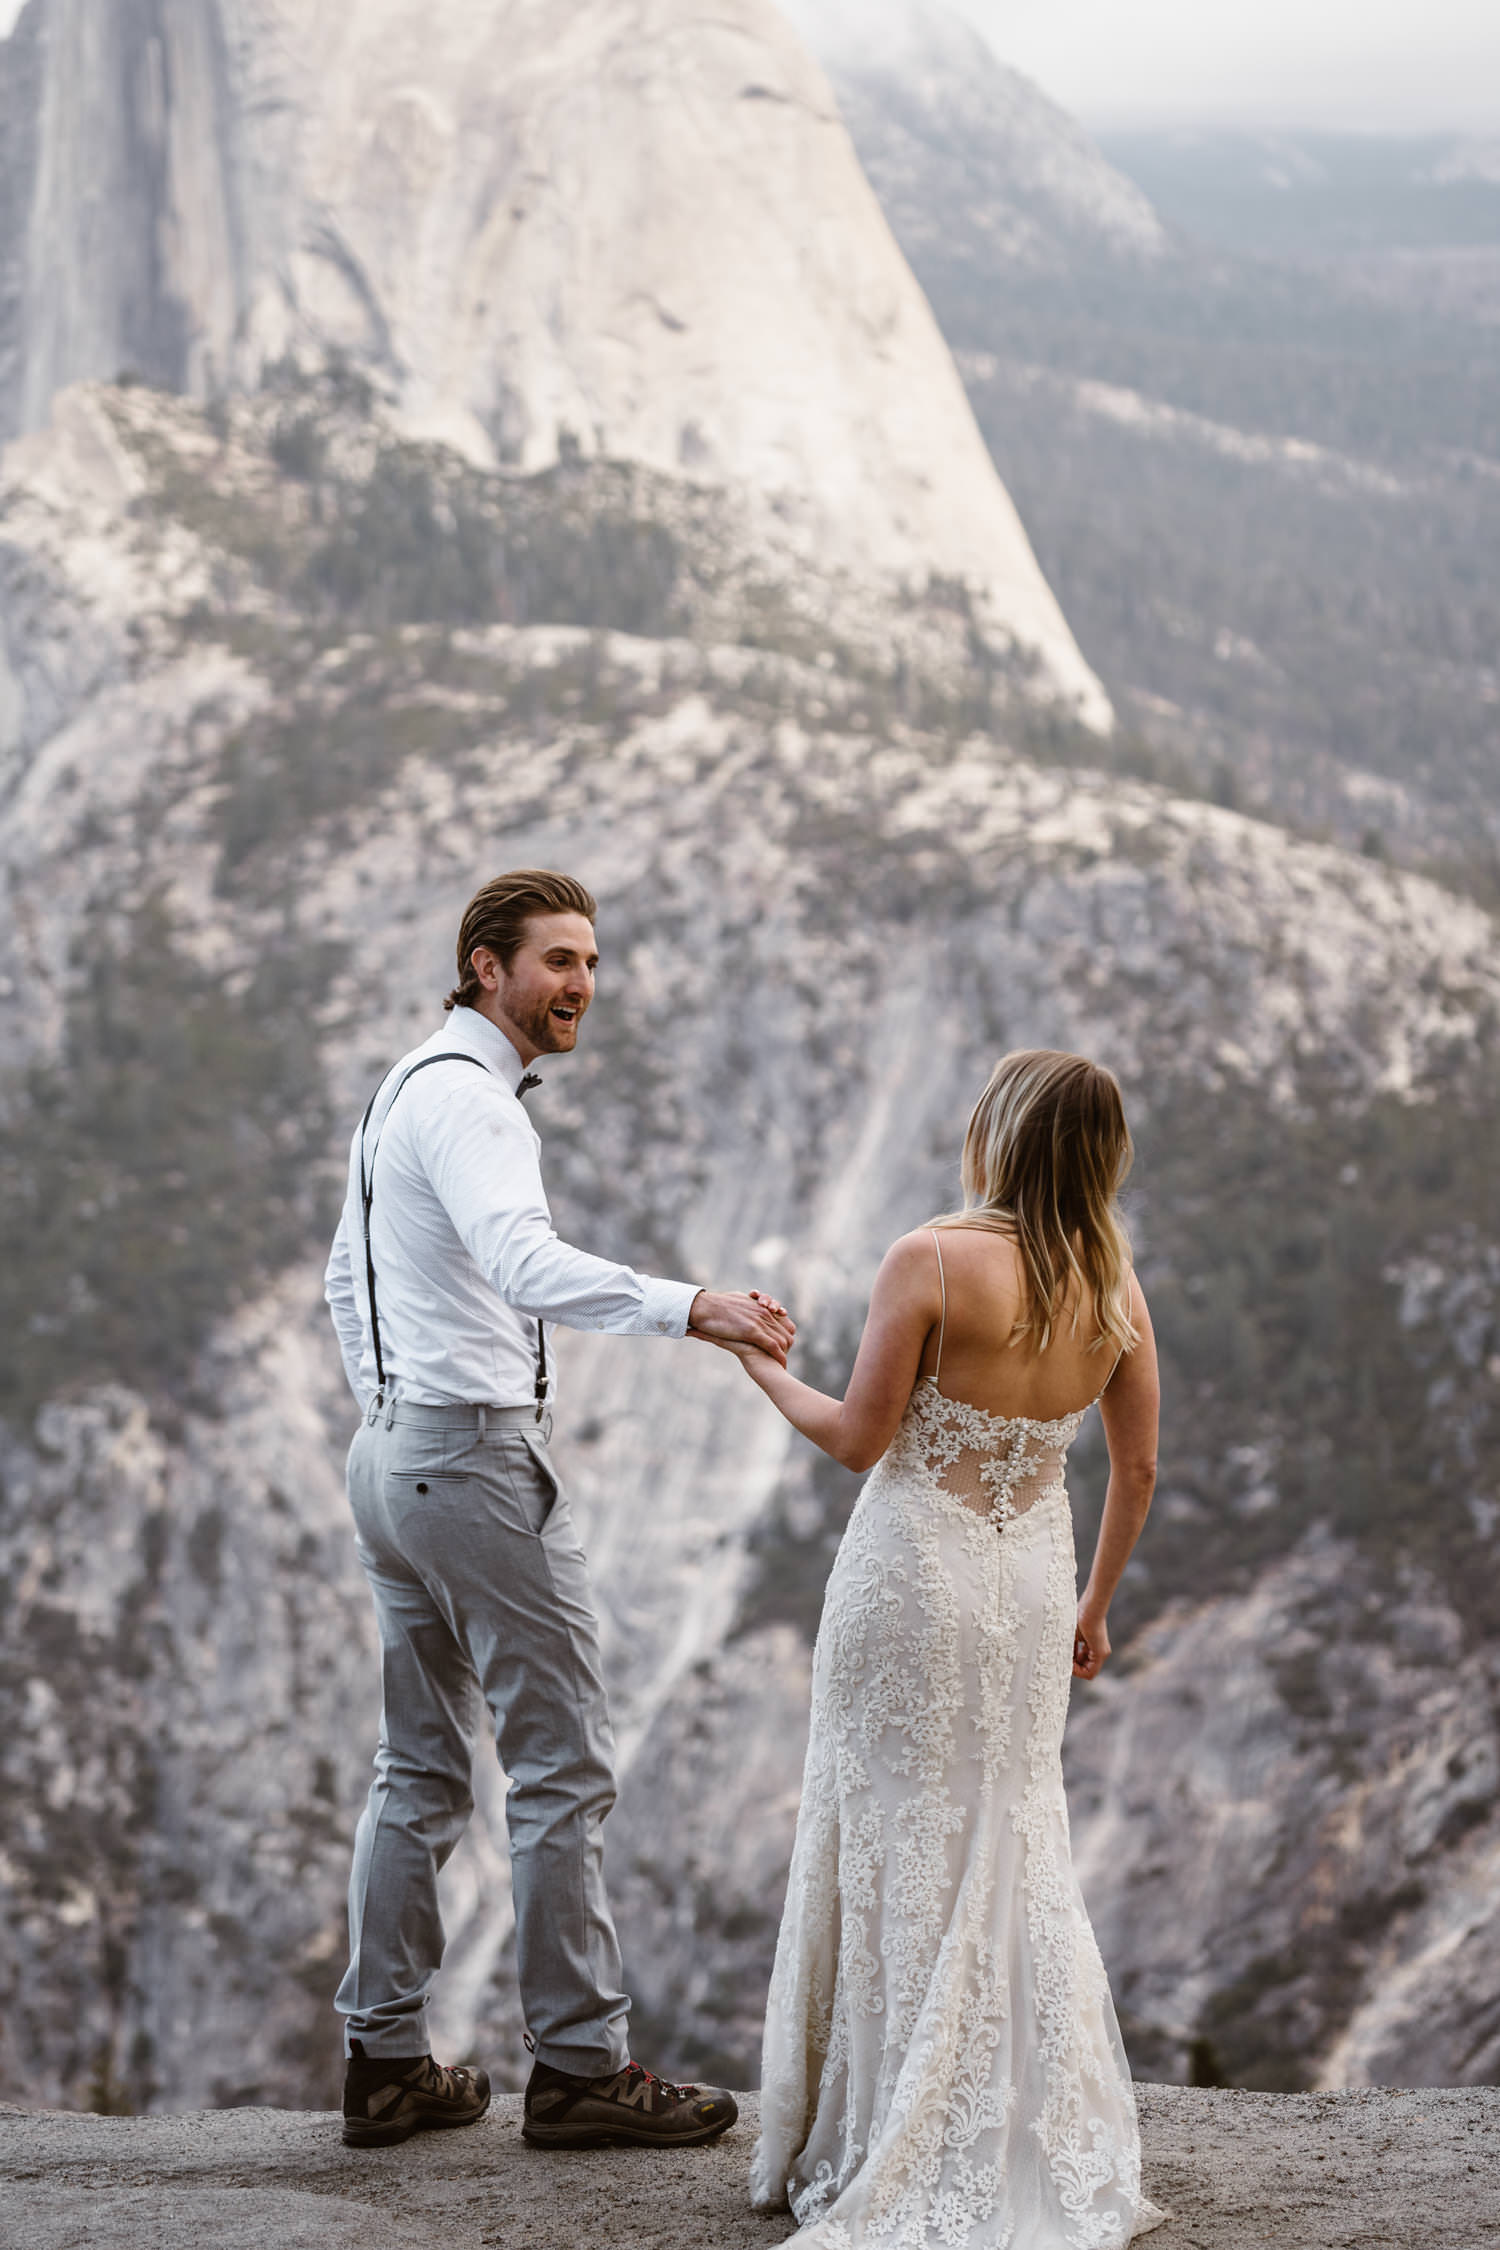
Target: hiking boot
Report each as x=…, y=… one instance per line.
x=387, y=2098
x=629, y=2107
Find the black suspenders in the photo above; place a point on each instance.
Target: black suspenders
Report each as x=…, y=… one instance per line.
x=367, y=1198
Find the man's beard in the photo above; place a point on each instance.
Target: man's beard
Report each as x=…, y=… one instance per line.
x=536, y=1026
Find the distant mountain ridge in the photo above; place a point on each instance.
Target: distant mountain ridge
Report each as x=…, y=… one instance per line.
x=1315, y=196
x=943, y=126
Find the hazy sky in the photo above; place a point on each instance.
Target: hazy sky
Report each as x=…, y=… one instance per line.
x=1392, y=65
x=1389, y=65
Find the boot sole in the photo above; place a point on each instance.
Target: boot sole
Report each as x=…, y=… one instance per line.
x=387, y=2136
x=618, y=2136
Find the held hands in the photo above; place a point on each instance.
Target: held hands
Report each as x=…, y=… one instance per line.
x=743, y=1322
x=1090, y=1643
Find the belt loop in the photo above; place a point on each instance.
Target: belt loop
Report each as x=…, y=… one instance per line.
x=479, y=1417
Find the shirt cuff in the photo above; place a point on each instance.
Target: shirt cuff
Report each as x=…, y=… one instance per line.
x=665, y=1306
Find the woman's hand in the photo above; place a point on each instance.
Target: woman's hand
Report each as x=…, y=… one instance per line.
x=1090, y=1642
x=748, y=1353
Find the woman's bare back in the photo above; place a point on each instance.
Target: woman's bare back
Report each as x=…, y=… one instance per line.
x=981, y=1279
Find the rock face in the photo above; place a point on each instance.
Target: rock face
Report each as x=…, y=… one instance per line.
x=618, y=227
x=262, y=740
x=191, y=1682
x=122, y=212
x=1380, y=1724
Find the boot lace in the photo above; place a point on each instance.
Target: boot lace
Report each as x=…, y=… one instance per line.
x=438, y=2080
x=635, y=2072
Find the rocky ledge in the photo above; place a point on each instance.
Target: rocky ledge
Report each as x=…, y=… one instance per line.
x=1414, y=2170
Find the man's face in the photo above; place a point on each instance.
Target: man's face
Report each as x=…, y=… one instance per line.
x=539, y=1001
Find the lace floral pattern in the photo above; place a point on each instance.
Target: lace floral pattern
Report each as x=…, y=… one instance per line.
x=942, y=2063
x=1000, y=1466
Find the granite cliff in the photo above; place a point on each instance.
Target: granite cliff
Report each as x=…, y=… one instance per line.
x=619, y=228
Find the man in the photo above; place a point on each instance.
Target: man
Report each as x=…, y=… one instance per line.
x=443, y=1274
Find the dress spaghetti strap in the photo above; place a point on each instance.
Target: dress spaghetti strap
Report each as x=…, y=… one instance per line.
x=943, y=1323
x=1109, y=1378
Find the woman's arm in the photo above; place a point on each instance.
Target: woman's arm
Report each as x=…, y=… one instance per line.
x=1129, y=1408
x=904, y=1307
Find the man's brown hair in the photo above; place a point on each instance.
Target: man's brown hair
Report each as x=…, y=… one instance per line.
x=497, y=917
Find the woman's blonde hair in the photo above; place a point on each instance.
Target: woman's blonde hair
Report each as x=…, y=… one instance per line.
x=1044, y=1157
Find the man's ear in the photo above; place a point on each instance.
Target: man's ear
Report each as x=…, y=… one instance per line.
x=485, y=963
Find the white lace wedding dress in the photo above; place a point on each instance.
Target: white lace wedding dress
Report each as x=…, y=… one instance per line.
x=942, y=2063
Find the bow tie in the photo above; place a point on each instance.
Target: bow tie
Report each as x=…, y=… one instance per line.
x=526, y=1085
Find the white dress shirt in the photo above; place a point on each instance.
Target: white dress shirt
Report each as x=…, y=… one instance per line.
x=466, y=1256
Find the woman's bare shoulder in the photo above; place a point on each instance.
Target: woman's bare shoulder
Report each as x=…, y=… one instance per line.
x=987, y=1248
x=909, y=1255
x=1140, y=1311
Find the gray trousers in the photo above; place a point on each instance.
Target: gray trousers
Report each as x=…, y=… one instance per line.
x=467, y=1541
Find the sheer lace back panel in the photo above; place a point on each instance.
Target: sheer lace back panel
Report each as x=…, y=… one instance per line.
x=998, y=1465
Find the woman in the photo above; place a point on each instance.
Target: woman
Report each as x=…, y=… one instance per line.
x=942, y=2061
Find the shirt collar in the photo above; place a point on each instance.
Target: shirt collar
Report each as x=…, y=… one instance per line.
x=489, y=1043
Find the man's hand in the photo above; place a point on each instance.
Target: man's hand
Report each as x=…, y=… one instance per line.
x=743, y=1317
